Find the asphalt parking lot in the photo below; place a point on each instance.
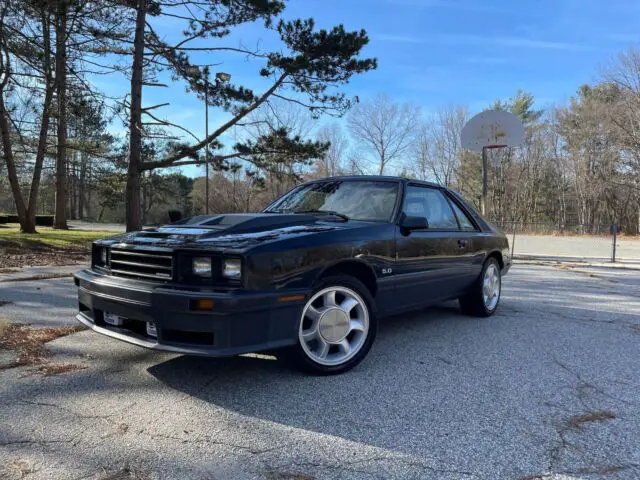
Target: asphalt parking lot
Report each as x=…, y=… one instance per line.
x=548, y=388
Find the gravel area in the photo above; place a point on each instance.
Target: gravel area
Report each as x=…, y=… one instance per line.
x=547, y=388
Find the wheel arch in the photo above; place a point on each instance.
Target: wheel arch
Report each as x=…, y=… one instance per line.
x=497, y=254
x=353, y=268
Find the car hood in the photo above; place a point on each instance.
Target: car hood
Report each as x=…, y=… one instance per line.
x=234, y=232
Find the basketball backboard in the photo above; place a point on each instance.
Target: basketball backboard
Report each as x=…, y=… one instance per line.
x=492, y=129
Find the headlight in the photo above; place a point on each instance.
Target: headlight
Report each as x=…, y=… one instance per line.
x=201, y=266
x=232, y=269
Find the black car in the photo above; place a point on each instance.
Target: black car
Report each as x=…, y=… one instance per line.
x=312, y=273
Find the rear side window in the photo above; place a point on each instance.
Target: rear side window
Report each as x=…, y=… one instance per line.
x=432, y=205
x=465, y=222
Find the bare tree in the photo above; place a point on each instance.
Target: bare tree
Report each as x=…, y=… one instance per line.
x=384, y=128
x=332, y=163
x=437, y=148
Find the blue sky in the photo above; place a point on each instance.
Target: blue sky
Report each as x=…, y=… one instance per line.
x=438, y=52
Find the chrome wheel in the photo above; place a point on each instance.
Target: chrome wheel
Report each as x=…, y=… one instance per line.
x=334, y=326
x=491, y=285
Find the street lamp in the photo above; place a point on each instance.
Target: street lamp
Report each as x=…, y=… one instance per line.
x=220, y=77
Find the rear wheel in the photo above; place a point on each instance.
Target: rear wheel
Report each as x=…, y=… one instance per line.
x=483, y=297
x=337, y=327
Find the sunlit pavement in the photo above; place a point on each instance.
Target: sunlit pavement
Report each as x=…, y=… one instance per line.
x=548, y=386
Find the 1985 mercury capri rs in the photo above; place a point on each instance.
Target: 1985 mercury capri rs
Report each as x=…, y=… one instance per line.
x=311, y=274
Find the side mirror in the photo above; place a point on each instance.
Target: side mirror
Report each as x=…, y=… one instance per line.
x=409, y=223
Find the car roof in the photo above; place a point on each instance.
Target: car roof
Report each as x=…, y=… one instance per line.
x=383, y=178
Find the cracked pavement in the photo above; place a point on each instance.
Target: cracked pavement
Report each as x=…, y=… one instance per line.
x=441, y=396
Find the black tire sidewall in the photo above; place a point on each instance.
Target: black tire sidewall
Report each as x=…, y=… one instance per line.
x=299, y=357
x=490, y=261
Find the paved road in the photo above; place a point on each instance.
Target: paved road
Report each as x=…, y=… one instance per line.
x=40, y=302
x=80, y=225
x=528, y=393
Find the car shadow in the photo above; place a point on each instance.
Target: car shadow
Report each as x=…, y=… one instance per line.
x=263, y=387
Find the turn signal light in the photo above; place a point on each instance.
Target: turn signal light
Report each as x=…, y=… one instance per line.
x=202, y=304
x=291, y=298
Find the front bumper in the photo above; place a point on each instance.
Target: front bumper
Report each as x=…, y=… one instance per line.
x=240, y=322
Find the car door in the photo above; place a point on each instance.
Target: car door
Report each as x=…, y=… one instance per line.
x=431, y=264
x=469, y=241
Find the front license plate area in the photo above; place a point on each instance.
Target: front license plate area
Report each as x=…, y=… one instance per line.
x=113, y=319
x=151, y=330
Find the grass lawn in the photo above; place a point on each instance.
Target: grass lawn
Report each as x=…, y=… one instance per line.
x=48, y=237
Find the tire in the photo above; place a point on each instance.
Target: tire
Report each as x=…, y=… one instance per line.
x=478, y=301
x=335, y=335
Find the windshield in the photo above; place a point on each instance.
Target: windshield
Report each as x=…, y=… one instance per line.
x=358, y=200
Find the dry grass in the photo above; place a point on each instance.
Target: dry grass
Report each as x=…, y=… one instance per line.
x=51, y=369
x=28, y=342
x=577, y=422
x=18, y=468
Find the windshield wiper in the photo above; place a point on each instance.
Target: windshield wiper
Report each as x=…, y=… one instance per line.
x=328, y=212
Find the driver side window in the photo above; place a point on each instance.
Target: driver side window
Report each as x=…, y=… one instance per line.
x=431, y=204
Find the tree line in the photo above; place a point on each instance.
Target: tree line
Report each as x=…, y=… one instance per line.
x=51, y=50
x=579, y=164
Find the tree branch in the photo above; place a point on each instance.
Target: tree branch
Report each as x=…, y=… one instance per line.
x=166, y=162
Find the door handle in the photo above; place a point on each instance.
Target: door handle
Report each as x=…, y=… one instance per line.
x=462, y=243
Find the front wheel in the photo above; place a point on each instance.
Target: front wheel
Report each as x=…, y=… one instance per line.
x=337, y=327
x=484, y=295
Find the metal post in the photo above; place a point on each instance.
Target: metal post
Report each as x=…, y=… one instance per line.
x=206, y=135
x=485, y=181
x=614, y=229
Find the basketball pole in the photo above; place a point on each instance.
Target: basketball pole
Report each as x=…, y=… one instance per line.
x=485, y=181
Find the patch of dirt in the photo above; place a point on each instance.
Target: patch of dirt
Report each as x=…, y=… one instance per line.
x=577, y=422
x=28, y=342
x=18, y=468
x=51, y=369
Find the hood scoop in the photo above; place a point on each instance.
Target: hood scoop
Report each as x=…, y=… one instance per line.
x=236, y=223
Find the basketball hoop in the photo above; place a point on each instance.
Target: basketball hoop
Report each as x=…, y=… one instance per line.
x=490, y=130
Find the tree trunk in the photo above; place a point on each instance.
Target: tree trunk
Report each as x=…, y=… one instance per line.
x=61, y=82
x=88, y=206
x=82, y=185
x=133, y=207
x=26, y=213
x=21, y=209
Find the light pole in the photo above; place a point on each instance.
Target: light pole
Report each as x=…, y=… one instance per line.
x=206, y=136
x=220, y=77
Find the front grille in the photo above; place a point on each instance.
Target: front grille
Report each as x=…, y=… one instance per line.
x=144, y=264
